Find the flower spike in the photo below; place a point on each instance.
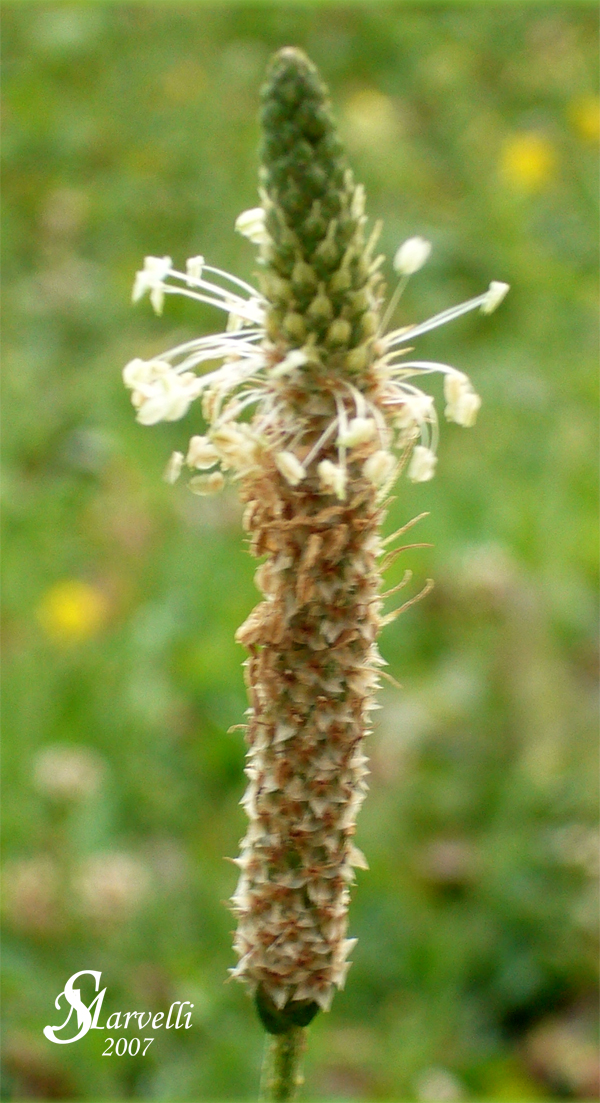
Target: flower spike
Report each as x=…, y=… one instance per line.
x=314, y=409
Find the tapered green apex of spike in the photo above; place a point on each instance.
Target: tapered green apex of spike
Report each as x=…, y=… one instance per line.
x=301, y=153
x=318, y=277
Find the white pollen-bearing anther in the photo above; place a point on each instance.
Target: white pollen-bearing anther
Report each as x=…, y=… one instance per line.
x=290, y=467
x=496, y=292
x=173, y=468
x=411, y=255
x=378, y=467
x=251, y=224
x=151, y=278
x=205, y=485
x=359, y=431
x=332, y=478
x=422, y=464
x=201, y=453
x=462, y=403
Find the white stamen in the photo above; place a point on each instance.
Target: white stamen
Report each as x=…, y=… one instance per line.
x=415, y=409
x=159, y=393
x=137, y=372
x=463, y=403
x=173, y=468
x=422, y=465
x=193, y=268
x=251, y=224
x=378, y=467
x=332, y=478
x=236, y=445
x=360, y=430
x=494, y=296
x=201, y=453
x=411, y=255
x=290, y=467
x=464, y=411
x=491, y=296
x=296, y=358
x=207, y=484
x=231, y=299
x=151, y=278
x=455, y=385
x=251, y=310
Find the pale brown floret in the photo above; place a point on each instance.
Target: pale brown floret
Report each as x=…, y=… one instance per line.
x=311, y=674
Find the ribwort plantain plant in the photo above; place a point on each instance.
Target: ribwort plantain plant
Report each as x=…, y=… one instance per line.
x=314, y=412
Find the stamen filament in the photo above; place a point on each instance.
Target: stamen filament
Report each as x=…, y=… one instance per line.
x=398, y=336
x=240, y=306
x=316, y=448
x=359, y=399
x=234, y=279
x=205, y=355
x=209, y=286
x=199, y=342
x=425, y=367
x=254, y=397
x=393, y=303
x=343, y=423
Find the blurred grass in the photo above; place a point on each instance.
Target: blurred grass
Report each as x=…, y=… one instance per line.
x=130, y=129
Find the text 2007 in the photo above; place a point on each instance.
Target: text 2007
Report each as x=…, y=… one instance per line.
x=122, y=1047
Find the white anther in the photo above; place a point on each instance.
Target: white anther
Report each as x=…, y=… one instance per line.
x=332, y=478
x=151, y=278
x=173, y=469
x=294, y=359
x=201, y=453
x=422, y=464
x=494, y=296
x=360, y=430
x=411, y=255
x=378, y=467
x=207, y=484
x=193, y=268
x=290, y=467
x=251, y=224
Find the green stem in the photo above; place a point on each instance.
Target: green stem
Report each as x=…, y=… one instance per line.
x=281, y=1076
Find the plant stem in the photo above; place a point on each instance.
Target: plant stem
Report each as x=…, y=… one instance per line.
x=281, y=1074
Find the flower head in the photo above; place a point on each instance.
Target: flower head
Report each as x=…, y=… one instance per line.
x=314, y=406
x=252, y=365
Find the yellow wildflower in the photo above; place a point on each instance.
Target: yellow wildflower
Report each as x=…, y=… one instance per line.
x=527, y=161
x=584, y=115
x=370, y=119
x=72, y=611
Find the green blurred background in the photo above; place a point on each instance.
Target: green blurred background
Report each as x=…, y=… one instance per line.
x=131, y=129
